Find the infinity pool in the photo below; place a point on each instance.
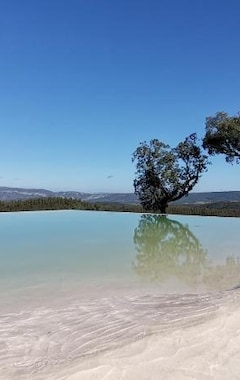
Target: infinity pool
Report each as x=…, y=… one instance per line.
x=74, y=284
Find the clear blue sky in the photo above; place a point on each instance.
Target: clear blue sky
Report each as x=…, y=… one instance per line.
x=82, y=82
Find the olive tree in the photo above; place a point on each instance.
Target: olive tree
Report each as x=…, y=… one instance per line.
x=165, y=174
x=223, y=136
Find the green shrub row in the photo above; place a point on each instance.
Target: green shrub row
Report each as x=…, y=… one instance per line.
x=37, y=204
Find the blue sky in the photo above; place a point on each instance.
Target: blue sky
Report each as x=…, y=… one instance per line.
x=82, y=82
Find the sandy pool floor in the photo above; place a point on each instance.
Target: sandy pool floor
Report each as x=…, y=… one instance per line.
x=194, y=338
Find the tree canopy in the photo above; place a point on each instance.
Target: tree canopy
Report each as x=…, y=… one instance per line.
x=165, y=174
x=223, y=136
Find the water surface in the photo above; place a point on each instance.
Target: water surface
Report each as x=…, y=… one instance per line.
x=74, y=284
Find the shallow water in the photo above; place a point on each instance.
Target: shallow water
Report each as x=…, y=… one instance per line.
x=76, y=284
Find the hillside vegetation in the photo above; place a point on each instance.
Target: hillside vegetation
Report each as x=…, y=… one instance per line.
x=210, y=209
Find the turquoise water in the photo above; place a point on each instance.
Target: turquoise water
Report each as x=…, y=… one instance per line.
x=63, y=247
x=70, y=244
x=75, y=284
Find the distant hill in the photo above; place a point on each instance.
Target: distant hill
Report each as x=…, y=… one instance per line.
x=12, y=193
x=15, y=193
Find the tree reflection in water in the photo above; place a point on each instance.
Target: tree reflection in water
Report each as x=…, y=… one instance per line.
x=167, y=249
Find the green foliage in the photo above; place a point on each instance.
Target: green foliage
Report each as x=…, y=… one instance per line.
x=56, y=203
x=223, y=136
x=228, y=209
x=165, y=174
x=217, y=209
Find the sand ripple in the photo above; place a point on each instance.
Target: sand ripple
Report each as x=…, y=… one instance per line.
x=32, y=342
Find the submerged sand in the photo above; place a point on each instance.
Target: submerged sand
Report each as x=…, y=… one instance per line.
x=206, y=351
x=125, y=336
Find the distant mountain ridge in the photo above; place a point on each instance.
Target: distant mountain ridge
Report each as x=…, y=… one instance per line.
x=15, y=193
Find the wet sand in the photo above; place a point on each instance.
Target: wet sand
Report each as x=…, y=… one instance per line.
x=209, y=350
x=124, y=336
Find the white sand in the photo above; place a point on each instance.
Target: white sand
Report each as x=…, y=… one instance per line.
x=202, y=342
x=210, y=350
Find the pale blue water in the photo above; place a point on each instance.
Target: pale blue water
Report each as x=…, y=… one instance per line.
x=74, y=284
x=43, y=246
x=60, y=247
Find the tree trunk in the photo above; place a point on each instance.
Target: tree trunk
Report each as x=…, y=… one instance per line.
x=163, y=208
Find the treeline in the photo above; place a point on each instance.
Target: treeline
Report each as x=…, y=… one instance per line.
x=231, y=209
x=58, y=203
x=38, y=204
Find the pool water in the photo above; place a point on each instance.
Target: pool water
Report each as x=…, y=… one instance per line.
x=76, y=283
x=68, y=247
